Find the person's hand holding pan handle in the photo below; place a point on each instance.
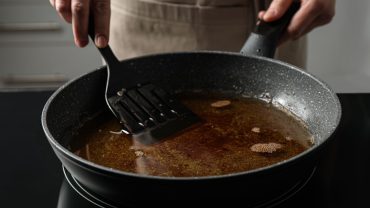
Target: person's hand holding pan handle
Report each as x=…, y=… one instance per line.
x=312, y=13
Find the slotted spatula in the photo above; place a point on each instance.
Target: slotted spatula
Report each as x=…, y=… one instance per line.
x=145, y=110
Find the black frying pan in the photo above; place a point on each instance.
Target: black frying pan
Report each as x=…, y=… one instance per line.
x=247, y=73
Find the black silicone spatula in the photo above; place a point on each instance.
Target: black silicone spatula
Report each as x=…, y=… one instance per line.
x=145, y=110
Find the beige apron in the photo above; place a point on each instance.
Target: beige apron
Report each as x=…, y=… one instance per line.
x=140, y=27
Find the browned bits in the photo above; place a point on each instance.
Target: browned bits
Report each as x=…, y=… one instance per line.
x=221, y=103
x=139, y=153
x=116, y=132
x=266, y=147
x=256, y=130
x=221, y=145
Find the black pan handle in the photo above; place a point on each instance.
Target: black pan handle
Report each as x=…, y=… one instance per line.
x=264, y=39
x=106, y=52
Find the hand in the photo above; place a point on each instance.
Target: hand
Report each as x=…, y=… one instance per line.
x=77, y=12
x=312, y=13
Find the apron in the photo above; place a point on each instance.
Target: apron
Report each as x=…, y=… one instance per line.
x=140, y=27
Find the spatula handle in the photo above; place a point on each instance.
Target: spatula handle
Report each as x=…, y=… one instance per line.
x=106, y=52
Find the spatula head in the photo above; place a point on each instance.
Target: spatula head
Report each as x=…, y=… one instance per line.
x=151, y=114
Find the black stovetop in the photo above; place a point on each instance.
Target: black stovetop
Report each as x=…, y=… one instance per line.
x=31, y=175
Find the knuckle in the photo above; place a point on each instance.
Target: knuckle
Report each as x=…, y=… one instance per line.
x=317, y=6
x=321, y=4
x=101, y=7
x=61, y=7
x=78, y=8
x=280, y=4
x=330, y=15
x=294, y=33
x=326, y=18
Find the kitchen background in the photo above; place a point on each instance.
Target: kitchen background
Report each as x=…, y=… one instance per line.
x=36, y=47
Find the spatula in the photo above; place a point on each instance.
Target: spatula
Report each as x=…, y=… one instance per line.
x=145, y=110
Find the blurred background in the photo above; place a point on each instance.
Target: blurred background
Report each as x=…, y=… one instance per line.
x=37, y=50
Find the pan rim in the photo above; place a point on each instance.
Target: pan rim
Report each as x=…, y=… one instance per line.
x=118, y=173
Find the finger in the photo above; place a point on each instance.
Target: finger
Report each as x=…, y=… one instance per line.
x=64, y=9
x=326, y=15
x=319, y=21
x=101, y=9
x=276, y=10
x=52, y=2
x=302, y=19
x=80, y=15
x=261, y=14
x=308, y=29
x=308, y=26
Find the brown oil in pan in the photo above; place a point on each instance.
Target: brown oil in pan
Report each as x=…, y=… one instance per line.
x=238, y=134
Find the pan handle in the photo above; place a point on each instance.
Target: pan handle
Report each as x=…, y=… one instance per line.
x=264, y=39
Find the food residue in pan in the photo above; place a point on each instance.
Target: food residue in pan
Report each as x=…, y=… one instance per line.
x=256, y=130
x=221, y=103
x=238, y=134
x=266, y=147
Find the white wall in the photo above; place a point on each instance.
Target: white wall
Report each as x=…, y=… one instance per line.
x=36, y=46
x=339, y=53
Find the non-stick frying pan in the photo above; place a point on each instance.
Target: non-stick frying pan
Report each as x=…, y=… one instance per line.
x=244, y=73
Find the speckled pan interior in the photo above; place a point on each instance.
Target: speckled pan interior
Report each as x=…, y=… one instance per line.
x=296, y=90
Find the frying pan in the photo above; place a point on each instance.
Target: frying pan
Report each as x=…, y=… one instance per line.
x=249, y=73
